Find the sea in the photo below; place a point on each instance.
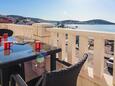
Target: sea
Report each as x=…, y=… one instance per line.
x=100, y=28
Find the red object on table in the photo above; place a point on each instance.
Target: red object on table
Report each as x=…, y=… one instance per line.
x=5, y=36
x=37, y=45
x=7, y=52
x=7, y=45
x=0, y=39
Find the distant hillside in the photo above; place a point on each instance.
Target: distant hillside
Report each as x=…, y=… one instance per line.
x=29, y=20
x=20, y=18
x=94, y=21
x=97, y=21
x=70, y=22
x=34, y=20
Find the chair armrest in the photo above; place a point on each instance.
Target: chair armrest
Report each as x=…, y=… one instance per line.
x=18, y=79
x=69, y=64
x=63, y=62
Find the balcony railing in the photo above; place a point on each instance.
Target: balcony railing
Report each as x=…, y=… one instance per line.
x=94, y=72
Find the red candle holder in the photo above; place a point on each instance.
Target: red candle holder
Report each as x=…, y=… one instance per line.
x=37, y=45
x=7, y=45
x=5, y=36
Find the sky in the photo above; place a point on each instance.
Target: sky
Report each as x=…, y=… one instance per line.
x=60, y=9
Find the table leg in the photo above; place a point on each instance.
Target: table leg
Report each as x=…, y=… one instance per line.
x=22, y=71
x=53, y=62
x=4, y=78
x=17, y=69
x=12, y=82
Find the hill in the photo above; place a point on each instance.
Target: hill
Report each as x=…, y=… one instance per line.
x=92, y=22
x=29, y=20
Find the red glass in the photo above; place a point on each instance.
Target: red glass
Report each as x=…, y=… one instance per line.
x=37, y=50
x=37, y=45
x=7, y=45
x=5, y=36
x=0, y=39
x=7, y=52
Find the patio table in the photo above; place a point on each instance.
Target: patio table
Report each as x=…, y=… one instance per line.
x=12, y=61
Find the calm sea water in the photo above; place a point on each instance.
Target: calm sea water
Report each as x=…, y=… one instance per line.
x=105, y=28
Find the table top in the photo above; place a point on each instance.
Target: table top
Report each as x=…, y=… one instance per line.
x=22, y=52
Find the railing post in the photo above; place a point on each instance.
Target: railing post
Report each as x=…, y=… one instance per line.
x=62, y=45
x=83, y=45
x=83, y=48
x=71, y=48
x=98, y=61
x=114, y=66
x=42, y=34
x=28, y=32
x=53, y=38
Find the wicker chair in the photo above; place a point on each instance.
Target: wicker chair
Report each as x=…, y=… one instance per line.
x=2, y=31
x=64, y=77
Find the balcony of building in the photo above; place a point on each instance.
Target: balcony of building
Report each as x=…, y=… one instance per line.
x=74, y=43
